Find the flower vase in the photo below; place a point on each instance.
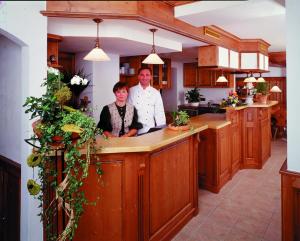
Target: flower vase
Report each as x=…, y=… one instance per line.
x=233, y=105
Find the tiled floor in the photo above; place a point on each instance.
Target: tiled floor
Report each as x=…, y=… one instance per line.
x=246, y=209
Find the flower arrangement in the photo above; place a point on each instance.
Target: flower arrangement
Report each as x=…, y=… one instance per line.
x=77, y=82
x=59, y=127
x=232, y=100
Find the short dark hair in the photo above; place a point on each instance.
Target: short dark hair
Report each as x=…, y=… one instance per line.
x=120, y=85
x=144, y=67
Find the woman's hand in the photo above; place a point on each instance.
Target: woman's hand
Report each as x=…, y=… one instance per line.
x=132, y=132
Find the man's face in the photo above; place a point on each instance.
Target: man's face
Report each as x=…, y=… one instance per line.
x=144, y=77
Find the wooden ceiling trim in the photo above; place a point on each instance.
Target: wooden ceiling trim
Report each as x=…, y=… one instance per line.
x=156, y=13
x=277, y=59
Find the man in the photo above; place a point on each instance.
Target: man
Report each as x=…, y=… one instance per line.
x=148, y=102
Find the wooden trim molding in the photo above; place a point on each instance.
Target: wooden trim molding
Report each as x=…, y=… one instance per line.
x=290, y=204
x=156, y=13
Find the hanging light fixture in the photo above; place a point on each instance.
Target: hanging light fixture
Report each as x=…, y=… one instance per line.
x=251, y=78
x=275, y=89
x=153, y=58
x=97, y=54
x=222, y=78
x=260, y=79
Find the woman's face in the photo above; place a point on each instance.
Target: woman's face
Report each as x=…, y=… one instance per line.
x=121, y=95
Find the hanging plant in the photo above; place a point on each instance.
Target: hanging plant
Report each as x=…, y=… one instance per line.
x=60, y=127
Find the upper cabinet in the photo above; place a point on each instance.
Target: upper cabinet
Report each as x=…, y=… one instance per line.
x=161, y=74
x=194, y=76
x=219, y=57
x=254, y=62
x=52, y=50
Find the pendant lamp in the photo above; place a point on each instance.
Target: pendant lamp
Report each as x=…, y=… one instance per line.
x=97, y=54
x=153, y=58
x=260, y=79
x=275, y=89
x=221, y=79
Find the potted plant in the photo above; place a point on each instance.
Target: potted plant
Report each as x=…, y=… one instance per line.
x=59, y=127
x=262, y=92
x=180, y=121
x=193, y=96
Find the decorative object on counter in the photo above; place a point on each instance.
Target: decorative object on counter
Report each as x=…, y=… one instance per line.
x=232, y=100
x=180, y=121
x=262, y=92
x=250, y=89
x=153, y=58
x=97, y=53
x=55, y=131
x=84, y=103
x=193, y=96
x=77, y=82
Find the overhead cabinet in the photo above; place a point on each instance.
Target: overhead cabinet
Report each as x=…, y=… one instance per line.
x=216, y=56
x=254, y=62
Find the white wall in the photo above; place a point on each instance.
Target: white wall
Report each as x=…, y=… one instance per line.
x=10, y=99
x=22, y=23
x=105, y=75
x=293, y=84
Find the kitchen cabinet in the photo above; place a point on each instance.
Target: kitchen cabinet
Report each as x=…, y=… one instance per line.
x=161, y=74
x=193, y=76
x=214, y=158
x=213, y=56
x=254, y=62
x=52, y=50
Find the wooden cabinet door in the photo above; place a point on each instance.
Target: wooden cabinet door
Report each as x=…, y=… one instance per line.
x=190, y=74
x=205, y=77
x=265, y=130
x=166, y=80
x=224, y=156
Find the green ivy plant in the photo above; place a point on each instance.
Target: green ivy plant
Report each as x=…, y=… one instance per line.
x=180, y=118
x=60, y=128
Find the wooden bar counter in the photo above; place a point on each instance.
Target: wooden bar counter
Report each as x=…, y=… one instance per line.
x=149, y=188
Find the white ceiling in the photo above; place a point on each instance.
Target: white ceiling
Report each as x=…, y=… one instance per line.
x=263, y=19
x=253, y=19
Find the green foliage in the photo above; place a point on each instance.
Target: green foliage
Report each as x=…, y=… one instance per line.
x=180, y=118
x=262, y=87
x=54, y=119
x=193, y=95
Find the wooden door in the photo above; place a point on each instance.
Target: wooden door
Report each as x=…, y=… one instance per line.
x=189, y=74
x=10, y=191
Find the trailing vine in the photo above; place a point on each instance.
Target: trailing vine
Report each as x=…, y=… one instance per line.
x=60, y=128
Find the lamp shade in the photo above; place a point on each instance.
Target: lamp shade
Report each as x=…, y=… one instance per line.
x=250, y=79
x=153, y=58
x=260, y=80
x=96, y=54
x=222, y=79
x=275, y=89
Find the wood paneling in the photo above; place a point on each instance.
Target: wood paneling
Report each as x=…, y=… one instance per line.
x=277, y=59
x=214, y=158
x=290, y=204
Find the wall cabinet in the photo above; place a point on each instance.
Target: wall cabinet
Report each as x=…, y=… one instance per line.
x=254, y=62
x=214, y=158
x=52, y=50
x=161, y=74
x=193, y=76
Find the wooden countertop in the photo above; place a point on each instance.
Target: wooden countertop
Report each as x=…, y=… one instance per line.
x=158, y=139
x=269, y=104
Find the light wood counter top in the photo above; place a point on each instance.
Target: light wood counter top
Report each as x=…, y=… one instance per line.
x=161, y=138
x=269, y=104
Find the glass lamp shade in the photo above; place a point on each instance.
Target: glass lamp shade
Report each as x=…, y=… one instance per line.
x=260, y=80
x=96, y=54
x=250, y=80
x=222, y=79
x=275, y=89
x=153, y=58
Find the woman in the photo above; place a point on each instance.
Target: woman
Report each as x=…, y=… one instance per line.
x=119, y=119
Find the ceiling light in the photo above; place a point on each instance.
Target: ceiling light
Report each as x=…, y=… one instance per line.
x=222, y=79
x=153, y=58
x=260, y=79
x=97, y=54
x=250, y=79
x=275, y=89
